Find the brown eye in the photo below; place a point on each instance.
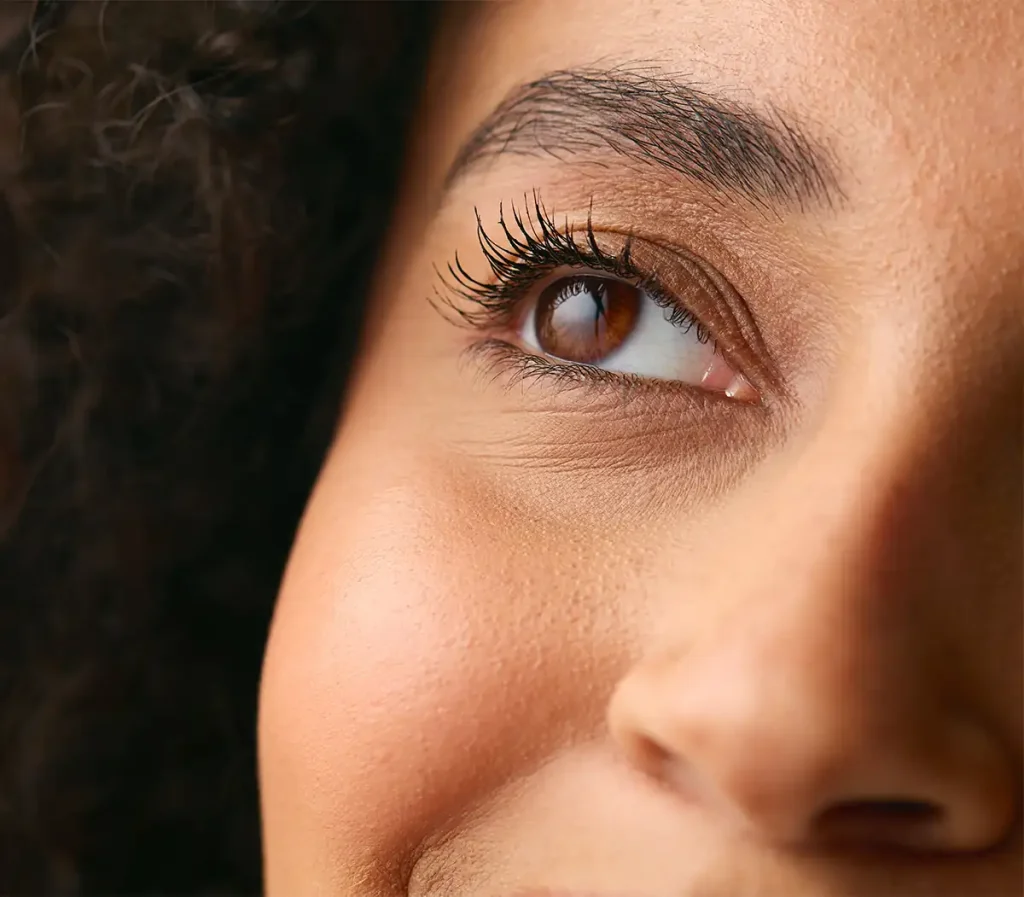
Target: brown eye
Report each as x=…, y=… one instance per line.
x=585, y=318
x=610, y=324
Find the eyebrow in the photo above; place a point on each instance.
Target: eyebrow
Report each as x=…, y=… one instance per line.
x=655, y=119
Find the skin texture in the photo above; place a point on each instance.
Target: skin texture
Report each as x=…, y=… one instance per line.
x=538, y=635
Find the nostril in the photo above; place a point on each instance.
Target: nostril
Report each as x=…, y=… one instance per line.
x=882, y=822
x=665, y=767
x=649, y=755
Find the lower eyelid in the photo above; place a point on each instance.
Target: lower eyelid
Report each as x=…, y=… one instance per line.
x=503, y=363
x=501, y=359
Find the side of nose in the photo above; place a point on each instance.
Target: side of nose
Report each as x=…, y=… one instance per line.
x=823, y=705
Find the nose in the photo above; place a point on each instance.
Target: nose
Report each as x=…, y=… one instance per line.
x=828, y=701
x=809, y=752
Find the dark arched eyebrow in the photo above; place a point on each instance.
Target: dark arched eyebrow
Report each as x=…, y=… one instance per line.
x=655, y=119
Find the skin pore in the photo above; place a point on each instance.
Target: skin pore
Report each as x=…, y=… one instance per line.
x=612, y=628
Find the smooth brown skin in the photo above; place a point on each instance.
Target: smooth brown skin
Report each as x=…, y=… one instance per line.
x=538, y=638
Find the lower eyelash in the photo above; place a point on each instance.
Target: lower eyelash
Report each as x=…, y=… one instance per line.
x=505, y=363
x=502, y=359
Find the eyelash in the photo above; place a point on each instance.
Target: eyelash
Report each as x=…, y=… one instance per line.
x=536, y=246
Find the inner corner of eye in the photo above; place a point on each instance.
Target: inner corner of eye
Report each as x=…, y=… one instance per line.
x=722, y=377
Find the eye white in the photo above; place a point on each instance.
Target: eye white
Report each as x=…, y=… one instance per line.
x=655, y=348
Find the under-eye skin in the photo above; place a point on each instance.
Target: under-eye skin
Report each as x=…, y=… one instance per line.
x=582, y=308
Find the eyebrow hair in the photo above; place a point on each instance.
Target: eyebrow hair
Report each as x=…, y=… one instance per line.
x=656, y=120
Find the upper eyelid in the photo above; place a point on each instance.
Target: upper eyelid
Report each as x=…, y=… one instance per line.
x=494, y=300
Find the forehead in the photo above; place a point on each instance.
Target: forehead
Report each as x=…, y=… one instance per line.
x=912, y=58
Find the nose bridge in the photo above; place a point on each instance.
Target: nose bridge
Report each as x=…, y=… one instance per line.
x=840, y=534
x=830, y=614
x=892, y=517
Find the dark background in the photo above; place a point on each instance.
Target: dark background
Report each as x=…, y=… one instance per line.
x=191, y=195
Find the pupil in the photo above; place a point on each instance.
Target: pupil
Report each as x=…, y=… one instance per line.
x=584, y=319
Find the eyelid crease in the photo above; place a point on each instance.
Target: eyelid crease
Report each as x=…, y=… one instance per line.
x=718, y=304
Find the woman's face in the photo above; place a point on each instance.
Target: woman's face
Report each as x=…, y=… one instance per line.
x=671, y=543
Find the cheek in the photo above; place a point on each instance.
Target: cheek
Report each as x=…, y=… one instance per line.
x=411, y=666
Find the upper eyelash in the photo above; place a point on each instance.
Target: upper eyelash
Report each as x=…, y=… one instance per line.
x=537, y=246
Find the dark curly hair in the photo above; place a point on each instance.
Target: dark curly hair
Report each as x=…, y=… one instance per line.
x=190, y=198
